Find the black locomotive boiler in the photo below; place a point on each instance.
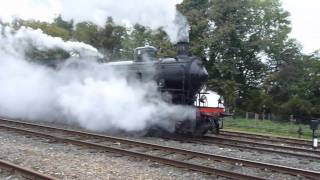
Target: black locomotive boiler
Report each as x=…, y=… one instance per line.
x=183, y=77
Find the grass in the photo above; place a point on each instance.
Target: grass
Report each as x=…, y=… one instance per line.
x=275, y=128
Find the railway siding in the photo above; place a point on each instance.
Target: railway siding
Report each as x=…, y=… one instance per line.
x=24, y=172
x=185, y=163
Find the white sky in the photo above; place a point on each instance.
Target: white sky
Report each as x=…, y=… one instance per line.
x=304, y=16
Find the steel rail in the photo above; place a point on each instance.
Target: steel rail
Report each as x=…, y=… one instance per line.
x=293, y=149
x=210, y=142
x=266, y=138
x=248, y=163
x=167, y=161
x=29, y=173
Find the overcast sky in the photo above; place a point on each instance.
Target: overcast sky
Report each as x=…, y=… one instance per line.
x=305, y=22
x=304, y=16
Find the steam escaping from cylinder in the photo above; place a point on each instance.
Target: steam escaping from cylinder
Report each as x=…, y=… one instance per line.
x=151, y=13
x=80, y=91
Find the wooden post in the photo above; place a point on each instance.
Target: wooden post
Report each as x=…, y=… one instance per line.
x=256, y=116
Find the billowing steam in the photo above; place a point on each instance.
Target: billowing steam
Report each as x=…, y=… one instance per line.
x=81, y=91
x=21, y=41
x=152, y=13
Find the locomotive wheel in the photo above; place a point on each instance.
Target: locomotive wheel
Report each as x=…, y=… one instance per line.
x=185, y=128
x=157, y=132
x=217, y=126
x=202, y=129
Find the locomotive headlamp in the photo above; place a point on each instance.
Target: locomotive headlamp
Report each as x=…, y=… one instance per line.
x=203, y=99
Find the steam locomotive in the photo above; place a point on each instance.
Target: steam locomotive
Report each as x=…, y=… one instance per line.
x=183, y=77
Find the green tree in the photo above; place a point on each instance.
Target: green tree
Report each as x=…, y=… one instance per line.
x=160, y=40
x=297, y=106
x=295, y=83
x=50, y=29
x=67, y=25
x=236, y=36
x=310, y=85
x=86, y=32
x=110, y=38
x=282, y=83
x=140, y=36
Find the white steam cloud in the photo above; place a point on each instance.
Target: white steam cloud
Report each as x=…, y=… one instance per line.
x=19, y=42
x=152, y=13
x=81, y=91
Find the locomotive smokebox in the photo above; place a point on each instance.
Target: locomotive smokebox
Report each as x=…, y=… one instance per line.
x=183, y=48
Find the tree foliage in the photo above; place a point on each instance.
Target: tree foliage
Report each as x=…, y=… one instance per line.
x=237, y=37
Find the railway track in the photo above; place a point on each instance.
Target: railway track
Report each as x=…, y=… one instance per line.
x=209, y=163
x=25, y=172
x=264, y=145
x=273, y=139
x=251, y=145
x=279, y=145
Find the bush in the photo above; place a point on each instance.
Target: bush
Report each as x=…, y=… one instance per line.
x=297, y=107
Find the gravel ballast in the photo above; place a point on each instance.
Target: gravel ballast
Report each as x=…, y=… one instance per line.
x=272, y=158
x=86, y=163
x=71, y=162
